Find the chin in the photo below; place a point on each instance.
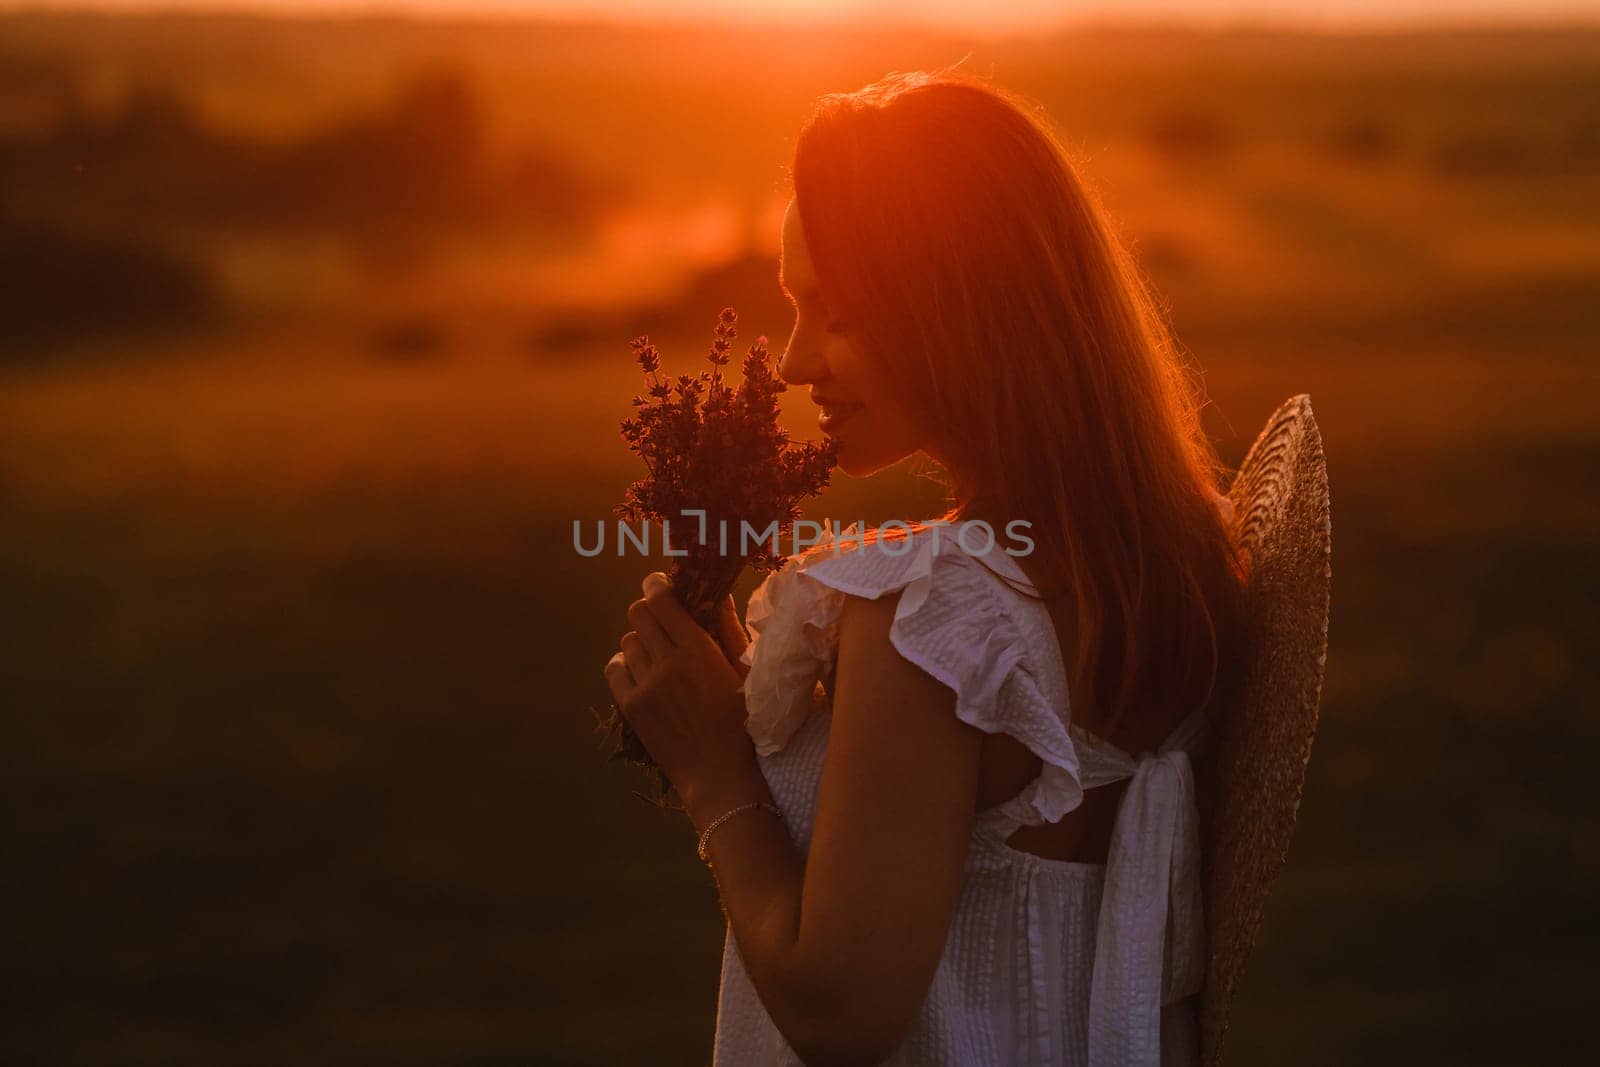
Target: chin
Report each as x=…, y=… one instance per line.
x=861, y=463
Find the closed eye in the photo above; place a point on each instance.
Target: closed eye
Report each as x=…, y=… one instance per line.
x=832, y=327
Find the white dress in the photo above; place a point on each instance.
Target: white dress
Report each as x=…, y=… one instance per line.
x=1046, y=961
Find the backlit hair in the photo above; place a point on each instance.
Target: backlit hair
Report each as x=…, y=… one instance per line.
x=948, y=225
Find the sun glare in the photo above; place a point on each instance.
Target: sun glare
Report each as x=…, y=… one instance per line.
x=967, y=15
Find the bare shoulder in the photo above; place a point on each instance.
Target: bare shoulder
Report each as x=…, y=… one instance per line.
x=871, y=672
x=868, y=614
x=864, y=625
x=895, y=732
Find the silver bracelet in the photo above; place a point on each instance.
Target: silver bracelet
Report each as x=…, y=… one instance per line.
x=705, y=838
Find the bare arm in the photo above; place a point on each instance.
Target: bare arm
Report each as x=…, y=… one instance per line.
x=842, y=948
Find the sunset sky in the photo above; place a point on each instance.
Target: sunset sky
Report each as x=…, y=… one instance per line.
x=967, y=14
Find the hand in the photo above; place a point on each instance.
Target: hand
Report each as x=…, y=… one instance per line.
x=675, y=686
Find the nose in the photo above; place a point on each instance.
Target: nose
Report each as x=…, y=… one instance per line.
x=802, y=361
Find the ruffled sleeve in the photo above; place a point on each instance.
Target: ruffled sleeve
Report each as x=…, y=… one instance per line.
x=794, y=628
x=954, y=621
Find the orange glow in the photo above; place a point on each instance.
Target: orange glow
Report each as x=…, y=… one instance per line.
x=967, y=15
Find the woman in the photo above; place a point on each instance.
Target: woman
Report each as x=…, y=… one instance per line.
x=944, y=859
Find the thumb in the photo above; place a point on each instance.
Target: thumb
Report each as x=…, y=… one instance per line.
x=730, y=633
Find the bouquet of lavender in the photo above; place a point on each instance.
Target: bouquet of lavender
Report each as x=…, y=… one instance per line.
x=718, y=467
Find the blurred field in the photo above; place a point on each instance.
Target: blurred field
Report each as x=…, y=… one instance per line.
x=315, y=348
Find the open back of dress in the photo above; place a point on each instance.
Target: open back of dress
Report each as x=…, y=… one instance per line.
x=1047, y=962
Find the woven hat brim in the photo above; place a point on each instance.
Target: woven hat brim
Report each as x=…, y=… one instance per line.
x=1263, y=741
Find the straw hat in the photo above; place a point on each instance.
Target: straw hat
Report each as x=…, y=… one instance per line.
x=1280, y=507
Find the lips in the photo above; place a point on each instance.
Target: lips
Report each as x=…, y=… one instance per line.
x=834, y=413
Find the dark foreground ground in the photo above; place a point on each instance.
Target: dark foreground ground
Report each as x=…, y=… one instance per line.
x=306, y=773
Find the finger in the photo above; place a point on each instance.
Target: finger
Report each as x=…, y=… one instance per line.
x=636, y=655
x=730, y=632
x=619, y=679
x=672, y=616
x=643, y=620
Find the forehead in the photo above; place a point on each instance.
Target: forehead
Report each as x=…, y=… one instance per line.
x=794, y=257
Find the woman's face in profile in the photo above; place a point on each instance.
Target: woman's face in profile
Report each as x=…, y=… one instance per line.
x=861, y=408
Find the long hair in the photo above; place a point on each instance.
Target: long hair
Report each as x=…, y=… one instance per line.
x=948, y=224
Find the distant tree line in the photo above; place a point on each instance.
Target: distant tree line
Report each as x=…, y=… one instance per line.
x=103, y=215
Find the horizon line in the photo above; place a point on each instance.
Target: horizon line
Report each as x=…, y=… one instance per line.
x=1109, y=19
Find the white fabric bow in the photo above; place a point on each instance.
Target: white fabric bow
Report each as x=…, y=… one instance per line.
x=1150, y=945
